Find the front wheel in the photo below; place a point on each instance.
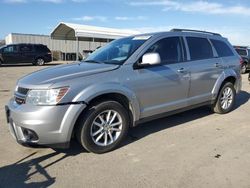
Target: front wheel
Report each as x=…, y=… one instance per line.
x=225, y=100
x=103, y=127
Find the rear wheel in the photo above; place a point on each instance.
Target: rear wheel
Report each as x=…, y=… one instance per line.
x=226, y=99
x=103, y=127
x=40, y=61
x=243, y=68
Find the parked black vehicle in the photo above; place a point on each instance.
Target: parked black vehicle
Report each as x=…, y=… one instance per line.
x=244, y=52
x=37, y=54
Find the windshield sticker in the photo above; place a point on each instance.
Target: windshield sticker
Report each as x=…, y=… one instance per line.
x=146, y=37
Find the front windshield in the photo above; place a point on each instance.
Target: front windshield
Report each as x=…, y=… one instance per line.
x=118, y=51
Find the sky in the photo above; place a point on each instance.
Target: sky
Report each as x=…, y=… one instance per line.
x=231, y=18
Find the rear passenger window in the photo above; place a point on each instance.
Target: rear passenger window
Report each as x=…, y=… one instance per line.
x=27, y=48
x=169, y=49
x=222, y=48
x=199, y=48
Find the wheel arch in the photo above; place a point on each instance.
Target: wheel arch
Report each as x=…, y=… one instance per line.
x=117, y=93
x=227, y=76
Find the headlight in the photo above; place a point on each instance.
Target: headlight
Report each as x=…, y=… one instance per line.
x=46, y=97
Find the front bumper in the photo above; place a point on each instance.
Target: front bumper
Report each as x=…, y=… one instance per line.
x=51, y=125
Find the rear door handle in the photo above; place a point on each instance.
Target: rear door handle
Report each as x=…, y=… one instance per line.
x=218, y=65
x=181, y=70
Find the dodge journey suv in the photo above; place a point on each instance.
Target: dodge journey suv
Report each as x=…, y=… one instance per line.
x=128, y=81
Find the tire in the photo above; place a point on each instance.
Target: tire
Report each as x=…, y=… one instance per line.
x=93, y=127
x=243, y=68
x=40, y=61
x=228, y=93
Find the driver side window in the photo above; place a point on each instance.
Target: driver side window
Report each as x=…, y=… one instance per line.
x=169, y=49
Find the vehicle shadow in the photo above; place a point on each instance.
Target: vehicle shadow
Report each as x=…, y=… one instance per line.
x=154, y=126
x=28, y=171
x=241, y=98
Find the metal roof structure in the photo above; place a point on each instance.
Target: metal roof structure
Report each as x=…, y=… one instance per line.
x=70, y=31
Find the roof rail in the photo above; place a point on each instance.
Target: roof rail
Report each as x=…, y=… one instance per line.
x=195, y=31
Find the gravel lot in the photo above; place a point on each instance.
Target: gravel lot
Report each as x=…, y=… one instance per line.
x=192, y=149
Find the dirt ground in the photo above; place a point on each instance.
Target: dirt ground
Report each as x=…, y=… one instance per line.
x=194, y=149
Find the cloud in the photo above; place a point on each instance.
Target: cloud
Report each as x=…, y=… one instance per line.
x=46, y=1
x=91, y=18
x=15, y=1
x=79, y=1
x=196, y=6
x=53, y=1
x=126, y=18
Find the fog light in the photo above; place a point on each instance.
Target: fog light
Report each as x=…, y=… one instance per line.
x=29, y=135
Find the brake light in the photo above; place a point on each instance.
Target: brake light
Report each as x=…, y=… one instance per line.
x=241, y=61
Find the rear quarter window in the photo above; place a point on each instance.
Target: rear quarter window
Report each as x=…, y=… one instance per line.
x=41, y=48
x=199, y=48
x=222, y=49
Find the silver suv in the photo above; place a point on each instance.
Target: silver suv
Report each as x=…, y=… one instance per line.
x=129, y=81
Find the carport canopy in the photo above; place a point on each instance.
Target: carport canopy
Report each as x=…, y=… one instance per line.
x=70, y=31
x=77, y=32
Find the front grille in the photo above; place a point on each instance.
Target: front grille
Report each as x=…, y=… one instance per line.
x=22, y=90
x=20, y=95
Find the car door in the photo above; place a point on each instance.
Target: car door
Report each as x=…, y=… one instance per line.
x=10, y=54
x=204, y=67
x=164, y=87
x=26, y=51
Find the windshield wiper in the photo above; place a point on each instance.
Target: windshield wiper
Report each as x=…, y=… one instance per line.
x=93, y=61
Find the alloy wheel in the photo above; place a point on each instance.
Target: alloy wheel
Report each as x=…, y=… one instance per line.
x=106, y=128
x=40, y=61
x=226, y=98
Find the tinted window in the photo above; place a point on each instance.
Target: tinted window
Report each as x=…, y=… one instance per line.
x=199, y=48
x=169, y=49
x=242, y=52
x=10, y=49
x=222, y=48
x=26, y=48
x=41, y=48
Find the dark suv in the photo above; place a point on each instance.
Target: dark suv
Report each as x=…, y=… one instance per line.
x=37, y=54
x=244, y=52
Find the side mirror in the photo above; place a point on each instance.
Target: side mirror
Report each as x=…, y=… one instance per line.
x=151, y=59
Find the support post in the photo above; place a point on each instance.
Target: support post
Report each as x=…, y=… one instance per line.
x=52, y=46
x=93, y=43
x=77, y=48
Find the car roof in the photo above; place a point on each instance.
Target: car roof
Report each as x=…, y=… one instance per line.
x=184, y=32
x=17, y=44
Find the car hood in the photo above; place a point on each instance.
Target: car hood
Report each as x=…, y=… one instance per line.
x=46, y=77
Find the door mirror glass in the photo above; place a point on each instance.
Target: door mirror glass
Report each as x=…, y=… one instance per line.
x=151, y=59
